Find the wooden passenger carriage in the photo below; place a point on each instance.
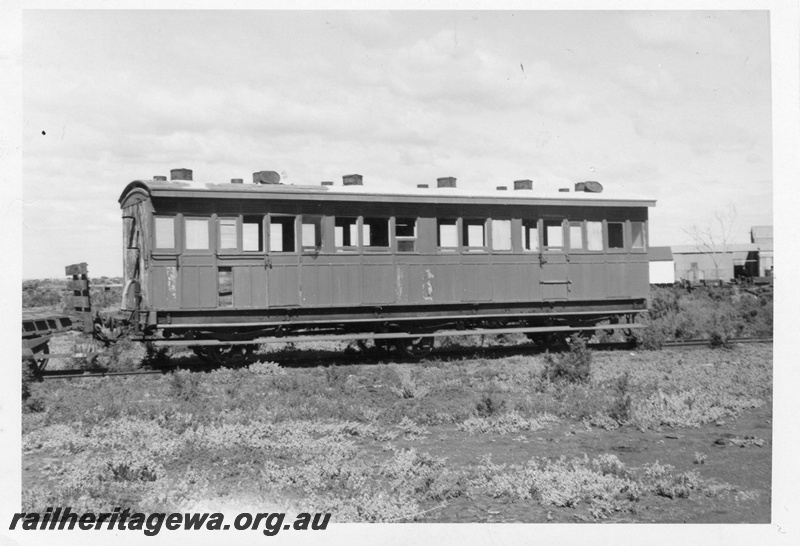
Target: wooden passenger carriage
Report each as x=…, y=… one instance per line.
x=224, y=264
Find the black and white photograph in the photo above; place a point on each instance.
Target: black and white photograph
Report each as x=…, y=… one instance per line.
x=289, y=270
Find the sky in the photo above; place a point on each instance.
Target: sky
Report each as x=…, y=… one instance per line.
x=671, y=105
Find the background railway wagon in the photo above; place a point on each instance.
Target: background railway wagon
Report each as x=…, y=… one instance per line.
x=248, y=252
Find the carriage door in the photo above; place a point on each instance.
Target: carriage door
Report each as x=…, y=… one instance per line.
x=283, y=275
x=131, y=266
x=197, y=265
x=553, y=261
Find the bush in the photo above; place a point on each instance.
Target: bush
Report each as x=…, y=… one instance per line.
x=663, y=303
x=86, y=355
x=335, y=376
x=716, y=314
x=184, y=385
x=31, y=401
x=719, y=340
x=155, y=356
x=123, y=356
x=408, y=387
x=42, y=293
x=573, y=366
x=28, y=377
x=655, y=333
x=623, y=402
x=487, y=406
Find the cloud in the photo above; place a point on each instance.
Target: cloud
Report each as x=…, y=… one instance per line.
x=687, y=30
x=372, y=29
x=649, y=81
x=456, y=74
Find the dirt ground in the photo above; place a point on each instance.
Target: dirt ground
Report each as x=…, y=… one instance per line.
x=747, y=469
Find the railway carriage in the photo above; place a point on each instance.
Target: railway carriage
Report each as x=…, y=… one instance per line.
x=221, y=267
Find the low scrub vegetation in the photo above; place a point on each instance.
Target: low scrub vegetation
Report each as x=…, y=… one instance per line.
x=604, y=483
x=53, y=293
x=368, y=442
x=714, y=313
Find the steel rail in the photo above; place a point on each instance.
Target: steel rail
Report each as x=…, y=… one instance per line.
x=707, y=342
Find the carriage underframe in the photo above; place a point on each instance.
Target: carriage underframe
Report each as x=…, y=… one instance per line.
x=220, y=338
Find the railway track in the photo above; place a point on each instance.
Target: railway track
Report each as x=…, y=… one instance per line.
x=705, y=342
x=331, y=358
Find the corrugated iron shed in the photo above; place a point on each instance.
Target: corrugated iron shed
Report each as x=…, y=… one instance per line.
x=761, y=234
x=660, y=254
x=731, y=248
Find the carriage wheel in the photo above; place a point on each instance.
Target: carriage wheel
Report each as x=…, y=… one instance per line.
x=232, y=356
x=545, y=340
x=203, y=354
x=229, y=356
x=416, y=348
x=630, y=337
x=385, y=345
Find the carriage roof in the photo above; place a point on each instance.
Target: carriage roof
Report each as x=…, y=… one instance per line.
x=198, y=189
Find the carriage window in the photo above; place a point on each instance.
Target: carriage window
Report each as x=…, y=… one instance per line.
x=281, y=234
x=165, y=231
x=447, y=234
x=530, y=235
x=594, y=236
x=196, y=233
x=501, y=234
x=311, y=234
x=616, y=237
x=575, y=235
x=405, y=231
x=345, y=233
x=474, y=234
x=225, y=287
x=227, y=233
x=252, y=234
x=637, y=235
x=375, y=233
x=553, y=234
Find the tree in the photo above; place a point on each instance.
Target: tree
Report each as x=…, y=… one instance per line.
x=714, y=238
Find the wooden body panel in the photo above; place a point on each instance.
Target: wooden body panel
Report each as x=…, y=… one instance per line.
x=324, y=277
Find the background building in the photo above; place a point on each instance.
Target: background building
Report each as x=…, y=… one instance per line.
x=761, y=236
x=695, y=263
x=662, y=265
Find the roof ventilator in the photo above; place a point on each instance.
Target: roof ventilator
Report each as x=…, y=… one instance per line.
x=266, y=177
x=180, y=174
x=590, y=186
x=523, y=184
x=353, y=180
